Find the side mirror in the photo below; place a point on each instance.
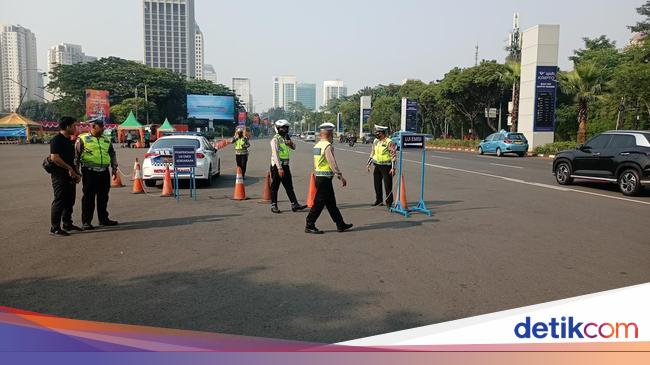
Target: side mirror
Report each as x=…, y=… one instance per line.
x=583, y=147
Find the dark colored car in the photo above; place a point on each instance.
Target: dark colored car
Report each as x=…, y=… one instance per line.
x=620, y=157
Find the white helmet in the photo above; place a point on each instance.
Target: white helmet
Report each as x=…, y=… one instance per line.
x=327, y=127
x=281, y=123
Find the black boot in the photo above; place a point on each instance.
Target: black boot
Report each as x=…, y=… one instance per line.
x=344, y=227
x=295, y=207
x=313, y=230
x=275, y=209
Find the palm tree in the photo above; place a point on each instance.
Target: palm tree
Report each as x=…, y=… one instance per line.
x=585, y=83
x=512, y=76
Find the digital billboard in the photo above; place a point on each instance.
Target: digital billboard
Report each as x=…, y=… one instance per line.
x=211, y=107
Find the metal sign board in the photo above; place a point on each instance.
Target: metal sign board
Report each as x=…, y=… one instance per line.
x=184, y=156
x=413, y=141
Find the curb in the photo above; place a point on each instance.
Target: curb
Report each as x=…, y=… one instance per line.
x=548, y=157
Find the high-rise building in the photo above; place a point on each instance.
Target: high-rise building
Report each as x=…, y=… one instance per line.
x=20, y=79
x=199, y=51
x=209, y=73
x=306, y=95
x=66, y=54
x=170, y=35
x=333, y=89
x=284, y=91
x=242, y=88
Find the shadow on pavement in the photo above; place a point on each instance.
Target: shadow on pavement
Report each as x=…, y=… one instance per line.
x=232, y=302
x=166, y=222
x=393, y=225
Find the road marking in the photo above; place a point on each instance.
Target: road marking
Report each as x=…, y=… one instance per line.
x=499, y=164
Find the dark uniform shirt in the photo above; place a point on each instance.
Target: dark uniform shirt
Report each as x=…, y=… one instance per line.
x=64, y=147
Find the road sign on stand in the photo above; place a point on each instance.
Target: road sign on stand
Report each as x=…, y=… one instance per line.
x=184, y=164
x=411, y=141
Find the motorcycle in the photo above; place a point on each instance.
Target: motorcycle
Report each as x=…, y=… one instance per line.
x=352, y=140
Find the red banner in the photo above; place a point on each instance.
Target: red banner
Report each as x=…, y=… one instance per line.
x=97, y=104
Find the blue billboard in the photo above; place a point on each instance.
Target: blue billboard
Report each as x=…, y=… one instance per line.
x=211, y=107
x=545, y=98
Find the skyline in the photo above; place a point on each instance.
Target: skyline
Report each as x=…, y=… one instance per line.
x=362, y=51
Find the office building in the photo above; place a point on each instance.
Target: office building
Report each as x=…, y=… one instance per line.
x=306, y=95
x=333, y=90
x=284, y=91
x=170, y=35
x=209, y=73
x=199, y=52
x=66, y=54
x=242, y=88
x=20, y=79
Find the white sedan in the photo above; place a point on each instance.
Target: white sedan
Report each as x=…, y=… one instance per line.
x=159, y=156
x=310, y=137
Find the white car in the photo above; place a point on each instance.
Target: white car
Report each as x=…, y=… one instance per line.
x=310, y=137
x=159, y=156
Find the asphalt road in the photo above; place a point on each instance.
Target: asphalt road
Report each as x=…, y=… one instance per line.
x=503, y=235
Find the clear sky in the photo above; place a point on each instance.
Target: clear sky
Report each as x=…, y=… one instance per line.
x=363, y=42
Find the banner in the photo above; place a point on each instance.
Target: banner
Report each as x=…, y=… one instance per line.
x=97, y=104
x=211, y=107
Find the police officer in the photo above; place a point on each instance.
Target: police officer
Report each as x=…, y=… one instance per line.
x=382, y=156
x=95, y=154
x=281, y=146
x=241, y=144
x=325, y=168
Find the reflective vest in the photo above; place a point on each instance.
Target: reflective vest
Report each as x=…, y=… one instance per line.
x=284, y=153
x=240, y=148
x=321, y=165
x=95, y=152
x=381, y=152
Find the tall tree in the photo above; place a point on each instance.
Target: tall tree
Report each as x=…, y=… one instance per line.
x=512, y=76
x=585, y=84
x=385, y=112
x=644, y=25
x=39, y=111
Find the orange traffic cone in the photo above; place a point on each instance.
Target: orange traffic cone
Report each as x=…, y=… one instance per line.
x=137, y=183
x=116, y=180
x=402, y=195
x=266, y=193
x=167, y=189
x=311, y=195
x=240, y=191
x=135, y=167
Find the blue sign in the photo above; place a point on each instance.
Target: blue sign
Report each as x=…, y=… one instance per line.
x=211, y=107
x=413, y=141
x=545, y=98
x=184, y=157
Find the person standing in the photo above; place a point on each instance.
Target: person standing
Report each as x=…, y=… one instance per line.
x=281, y=146
x=382, y=156
x=147, y=138
x=65, y=178
x=96, y=155
x=241, y=144
x=325, y=168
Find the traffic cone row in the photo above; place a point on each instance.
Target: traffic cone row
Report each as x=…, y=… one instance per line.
x=311, y=195
x=402, y=195
x=266, y=192
x=137, y=182
x=167, y=189
x=240, y=190
x=116, y=180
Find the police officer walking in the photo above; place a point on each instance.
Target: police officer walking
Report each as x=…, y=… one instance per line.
x=241, y=144
x=382, y=156
x=95, y=154
x=325, y=168
x=281, y=146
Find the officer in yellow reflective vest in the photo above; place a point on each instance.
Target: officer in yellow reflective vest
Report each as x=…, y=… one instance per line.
x=281, y=146
x=96, y=155
x=241, y=144
x=325, y=169
x=382, y=156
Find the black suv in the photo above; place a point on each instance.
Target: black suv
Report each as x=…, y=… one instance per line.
x=621, y=157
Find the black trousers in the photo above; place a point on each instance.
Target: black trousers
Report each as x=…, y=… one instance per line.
x=382, y=173
x=96, y=186
x=65, y=192
x=286, y=181
x=324, y=198
x=242, y=161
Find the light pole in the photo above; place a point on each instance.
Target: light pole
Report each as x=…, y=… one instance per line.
x=23, y=92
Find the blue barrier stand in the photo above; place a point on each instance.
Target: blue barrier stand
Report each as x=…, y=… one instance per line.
x=421, y=206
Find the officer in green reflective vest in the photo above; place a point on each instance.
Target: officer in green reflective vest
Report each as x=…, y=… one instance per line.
x=383, y=156
x=241, y=144
x=325, y=169
x=281, y=146
x=95, y=155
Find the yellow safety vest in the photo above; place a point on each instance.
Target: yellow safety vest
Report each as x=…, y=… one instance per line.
x=321, y=165
x=240, y=148
x=381, y=152
x=95, y=152
x=284, y=153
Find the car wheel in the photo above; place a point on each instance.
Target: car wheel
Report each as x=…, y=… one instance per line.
x=629, y=182
x=150, y=183
x=207, y=182
x=563, y=173
x=218, y=169
x=499, y=153
x=480, y=150
x=521, y=154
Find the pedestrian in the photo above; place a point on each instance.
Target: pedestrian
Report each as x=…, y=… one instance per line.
x=147, y=138
x=96, y=155
x=382, y=156
x=240, y=141
x=325, y=168
x=129, y=139
x=281, y=146
x=65, y=178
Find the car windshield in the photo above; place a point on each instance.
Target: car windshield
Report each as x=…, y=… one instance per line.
x=311, y=133
x=169, y=143
x=516, y=137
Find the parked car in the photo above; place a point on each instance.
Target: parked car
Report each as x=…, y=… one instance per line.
x=620, y=157
x=397, y=138
x=504, y=142
x=159, y=156
x=310, y=136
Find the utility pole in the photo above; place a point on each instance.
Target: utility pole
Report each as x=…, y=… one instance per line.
x=476, y=55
